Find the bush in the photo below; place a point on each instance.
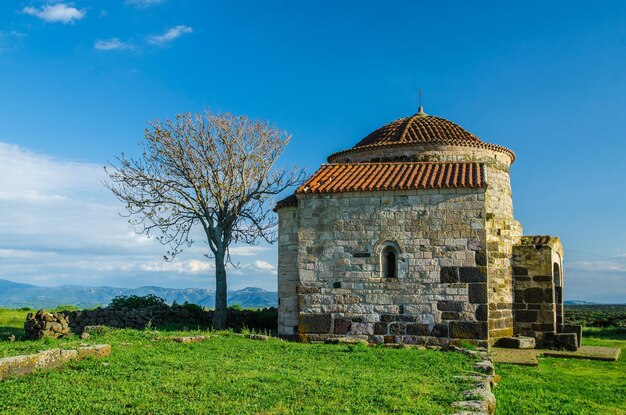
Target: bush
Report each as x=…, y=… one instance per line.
x=192, y=307
x=136, y=301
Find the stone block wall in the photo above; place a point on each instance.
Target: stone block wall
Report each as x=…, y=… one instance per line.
x=288, y=272
x=441, y=289
x=503, y=232
x=534, y=301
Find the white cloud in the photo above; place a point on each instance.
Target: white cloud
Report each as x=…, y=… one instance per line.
x=60, y=225
x=599, y=266
x=170, y=35
x=24, y=253
x=263, y=266
x=112, y=44
x=143, y=3
x=9, y=38
x=54, y=13
x=192, y=266
x=247, y=250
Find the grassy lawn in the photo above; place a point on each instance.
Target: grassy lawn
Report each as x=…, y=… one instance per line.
x=228, y=374
x=567, y=386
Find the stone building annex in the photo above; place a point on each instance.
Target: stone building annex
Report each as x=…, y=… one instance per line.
x=409, y=237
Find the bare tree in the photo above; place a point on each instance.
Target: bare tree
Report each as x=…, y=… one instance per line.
x=213, y=170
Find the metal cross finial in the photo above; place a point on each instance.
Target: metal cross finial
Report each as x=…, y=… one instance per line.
x=420, y=110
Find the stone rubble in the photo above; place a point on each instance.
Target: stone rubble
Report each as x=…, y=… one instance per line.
x=48, y=359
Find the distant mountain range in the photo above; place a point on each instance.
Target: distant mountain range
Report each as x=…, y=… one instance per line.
x=14, y=295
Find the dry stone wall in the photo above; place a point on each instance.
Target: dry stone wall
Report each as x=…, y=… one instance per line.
x=43, y=324
x=440, y=292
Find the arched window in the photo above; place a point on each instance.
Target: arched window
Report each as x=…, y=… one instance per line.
x=391, y=265
x=558, y=292
x=558, y=288
x=556, y=272
x=389, y=261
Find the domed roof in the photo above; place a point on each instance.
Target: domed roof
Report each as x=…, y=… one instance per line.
x=421, y=129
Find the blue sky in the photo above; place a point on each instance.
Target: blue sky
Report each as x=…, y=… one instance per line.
x=79, y=80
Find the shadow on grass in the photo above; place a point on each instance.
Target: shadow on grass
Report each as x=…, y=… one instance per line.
x=611, y=333
x=6, y=331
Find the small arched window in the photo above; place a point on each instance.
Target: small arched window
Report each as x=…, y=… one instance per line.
x=556, y=272
x=391, y=265
x=389, y=261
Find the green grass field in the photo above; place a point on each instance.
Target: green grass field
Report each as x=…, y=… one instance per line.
x=228, y=374
x=567, y=386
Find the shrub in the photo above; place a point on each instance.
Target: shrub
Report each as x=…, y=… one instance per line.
x=136, y=301
x=192, y=307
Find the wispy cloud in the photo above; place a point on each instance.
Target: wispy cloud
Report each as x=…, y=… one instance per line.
x=170, y=35
x=8, y=38
x=24, y=253
x=112, y=44
x=56, y=13
x=600, y=266
x=140, y=4
x=247, y=250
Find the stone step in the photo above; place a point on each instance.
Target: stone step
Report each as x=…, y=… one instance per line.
x=517, y=342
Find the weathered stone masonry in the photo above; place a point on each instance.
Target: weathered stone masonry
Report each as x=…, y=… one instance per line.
x=336, y=262
x=538, y=302
x=409, y=237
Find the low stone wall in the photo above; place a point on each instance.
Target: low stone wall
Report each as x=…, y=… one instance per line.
x=480, y=400
x=48, y=359
x=43, y=324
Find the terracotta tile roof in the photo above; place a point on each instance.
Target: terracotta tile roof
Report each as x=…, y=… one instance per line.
x=289, y=201
x=421, y=129
x=418, y=128
x=336, y=178
x=537, y=239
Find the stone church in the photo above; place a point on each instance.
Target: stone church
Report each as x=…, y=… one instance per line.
x=409, y=237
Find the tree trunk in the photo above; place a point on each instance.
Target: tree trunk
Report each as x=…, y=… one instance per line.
x=221, y=308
